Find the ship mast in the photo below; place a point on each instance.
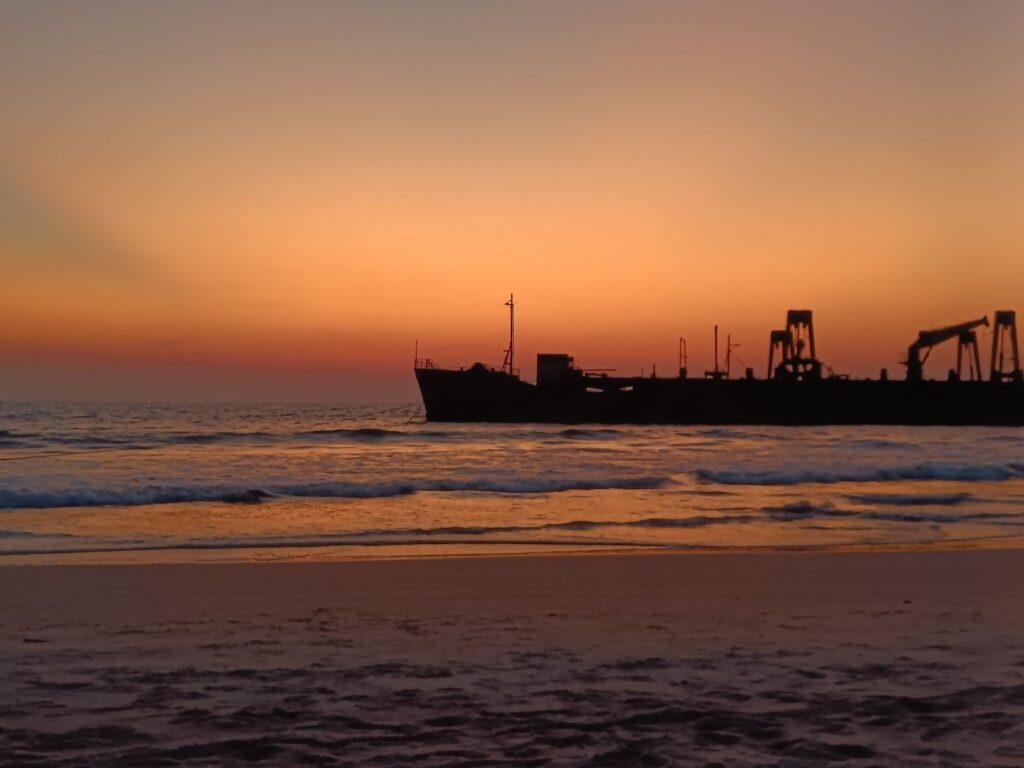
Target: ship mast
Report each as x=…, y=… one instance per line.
x=510, y=354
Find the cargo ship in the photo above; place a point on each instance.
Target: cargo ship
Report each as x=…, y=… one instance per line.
x=797, y=390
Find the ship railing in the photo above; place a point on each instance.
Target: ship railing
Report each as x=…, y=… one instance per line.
x=425, y=363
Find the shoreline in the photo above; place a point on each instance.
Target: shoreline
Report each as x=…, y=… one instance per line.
x=301, y=554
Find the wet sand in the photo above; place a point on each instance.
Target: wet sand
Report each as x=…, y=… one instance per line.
x=909, y=658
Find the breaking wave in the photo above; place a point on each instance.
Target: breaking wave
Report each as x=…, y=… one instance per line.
x=126, y=497
x=18, y=499
x=375, y=433
x=910, y=499
x=731, y=432
x=31, y=535
x=531, y=535
x=798, y=511
x=340, y=434
x=10, y=439
x=926, y=471
x=869, y=443
x=579, y=433
x=143, y=440
x=697, y=521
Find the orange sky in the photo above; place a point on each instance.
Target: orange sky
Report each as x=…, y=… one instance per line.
x=275, y=200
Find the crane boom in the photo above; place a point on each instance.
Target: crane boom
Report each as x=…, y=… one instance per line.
x=928, y=339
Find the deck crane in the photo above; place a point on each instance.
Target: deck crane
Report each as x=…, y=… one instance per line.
x=966, y=339
x=1004, y=333
x=793, y=344
x=780, y=346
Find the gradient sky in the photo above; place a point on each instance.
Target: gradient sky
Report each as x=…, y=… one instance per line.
x=262, y=200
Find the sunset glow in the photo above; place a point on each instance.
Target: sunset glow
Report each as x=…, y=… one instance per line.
x=243, y=200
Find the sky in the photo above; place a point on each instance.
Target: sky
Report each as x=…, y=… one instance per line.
x=277, y=200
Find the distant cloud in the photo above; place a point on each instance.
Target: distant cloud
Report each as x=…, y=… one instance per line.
x=167, y=343
x=37, y=235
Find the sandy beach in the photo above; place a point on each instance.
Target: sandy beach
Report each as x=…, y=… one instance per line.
x=908, y=658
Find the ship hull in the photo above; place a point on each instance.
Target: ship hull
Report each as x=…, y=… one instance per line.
x=494, y=396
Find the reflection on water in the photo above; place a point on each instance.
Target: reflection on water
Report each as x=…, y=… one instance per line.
x=127, y=483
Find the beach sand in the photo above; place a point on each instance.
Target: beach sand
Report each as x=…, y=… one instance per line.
x=896, y=658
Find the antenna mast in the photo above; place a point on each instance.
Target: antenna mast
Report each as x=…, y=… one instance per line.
x=718, y=373
x=510, y=354
x=729, y=347
x=716, y=351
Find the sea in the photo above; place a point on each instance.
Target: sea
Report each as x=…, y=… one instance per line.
x=166, y=482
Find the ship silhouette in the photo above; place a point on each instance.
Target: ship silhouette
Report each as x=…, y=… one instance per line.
x=797, y=388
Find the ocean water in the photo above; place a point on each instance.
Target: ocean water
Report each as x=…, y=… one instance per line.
x=111, y=483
